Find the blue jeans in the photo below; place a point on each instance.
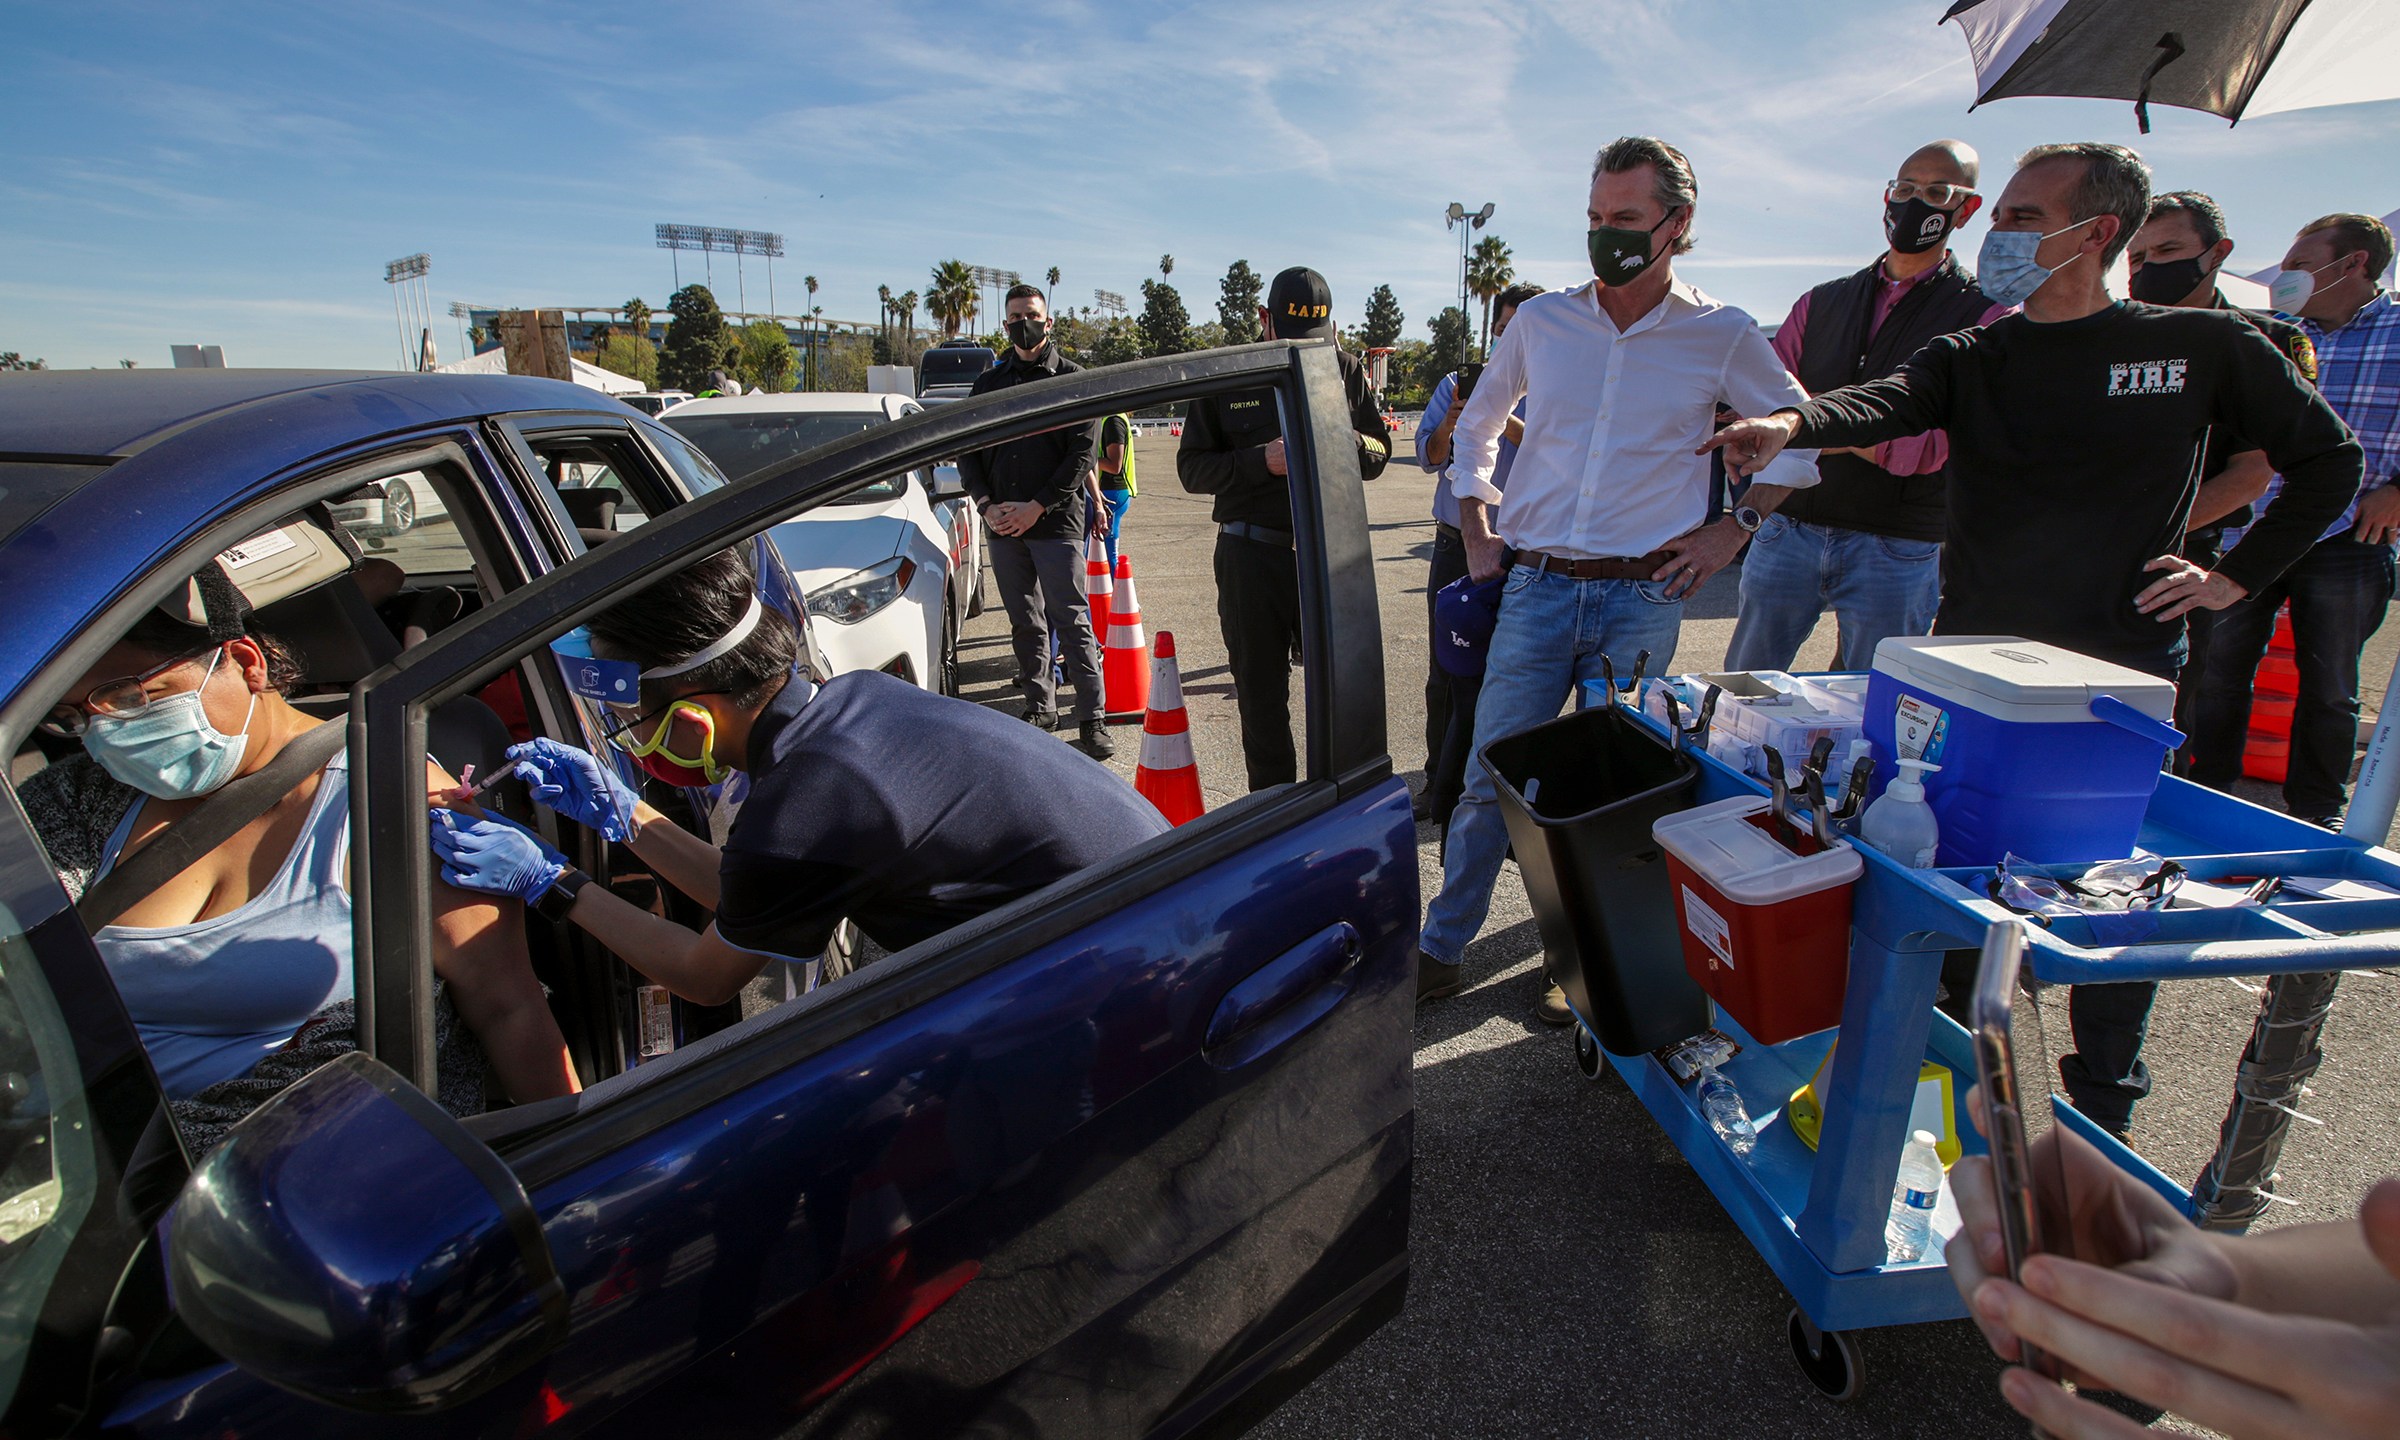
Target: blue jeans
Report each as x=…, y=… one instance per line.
x=1877, y=586
x=1118, y=502
x=1551, y=636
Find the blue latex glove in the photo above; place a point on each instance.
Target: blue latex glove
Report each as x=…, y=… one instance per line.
x=577, y=786
x=494, y=857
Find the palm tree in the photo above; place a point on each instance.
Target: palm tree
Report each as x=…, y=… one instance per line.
x=1054, y=284
x=952, y=298
x=1489, y=272
x=811, y=282
x=908, y=317
x=637, y=317
x=1166, y=264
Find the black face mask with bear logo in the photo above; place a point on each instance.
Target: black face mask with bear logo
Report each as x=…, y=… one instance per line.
x=1028, y=334
x=1915, y=227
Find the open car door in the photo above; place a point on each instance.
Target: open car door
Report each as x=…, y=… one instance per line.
x=1131, y=1156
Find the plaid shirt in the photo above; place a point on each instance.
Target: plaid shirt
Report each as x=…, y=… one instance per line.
x=2358, y=373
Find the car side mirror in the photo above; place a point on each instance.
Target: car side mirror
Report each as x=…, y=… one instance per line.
x=351, y=1242
x=947, y=485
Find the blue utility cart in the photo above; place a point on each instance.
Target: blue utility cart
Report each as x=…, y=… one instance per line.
x=1817, y=1216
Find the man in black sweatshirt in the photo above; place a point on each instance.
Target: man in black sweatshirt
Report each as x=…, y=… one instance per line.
x=1233, y=449
x=1031, y=494
x=2078, y=428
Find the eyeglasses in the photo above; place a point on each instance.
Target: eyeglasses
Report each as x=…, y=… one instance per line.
x=1941, y=194
x=620, y=721
x=119, y=699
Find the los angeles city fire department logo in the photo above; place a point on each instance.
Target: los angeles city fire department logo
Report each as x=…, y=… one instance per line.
x=2148, y=377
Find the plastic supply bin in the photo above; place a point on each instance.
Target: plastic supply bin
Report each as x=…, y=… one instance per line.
x=1580, y=794
x=2046, y=754
x=1761, y=708
x=1766, y=920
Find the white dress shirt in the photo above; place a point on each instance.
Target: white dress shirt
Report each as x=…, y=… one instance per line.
x=1613, y=419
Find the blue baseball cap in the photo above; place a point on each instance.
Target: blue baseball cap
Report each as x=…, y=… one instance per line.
x=1464, y=615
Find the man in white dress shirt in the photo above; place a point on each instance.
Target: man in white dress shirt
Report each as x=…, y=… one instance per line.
x=1602, y=534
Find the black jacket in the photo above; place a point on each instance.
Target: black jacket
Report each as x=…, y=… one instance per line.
x=1854, y=493
x=1049, y=467
x=2074, y=456
x=1224, y=449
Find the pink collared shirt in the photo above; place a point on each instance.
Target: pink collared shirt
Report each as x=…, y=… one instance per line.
x=1917, y=454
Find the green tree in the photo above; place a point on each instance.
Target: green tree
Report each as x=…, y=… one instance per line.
x=11, y=360
x=764, y=356
x=952, y=298
x=1384, y=320
x=632, y=356
x=1237, y=303
x=637, y=317
x=1166, y=264
x=1165, y=325
x=908, y=319
x=1053, y=279
x=1490, y=270
x=1453, y=335
x=697, y=341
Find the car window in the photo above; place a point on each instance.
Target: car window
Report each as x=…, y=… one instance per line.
x=47, y=1172
x=597, y=480
x=698, y=473
x=27, y=488
x=404, y=519
x=743, y=444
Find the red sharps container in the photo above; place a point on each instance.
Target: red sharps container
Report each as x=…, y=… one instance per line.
x=1765, y=915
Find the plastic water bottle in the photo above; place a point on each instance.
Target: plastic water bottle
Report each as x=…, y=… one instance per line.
x=1906, y=1234
x=1900, y=823
x=1722, y=1104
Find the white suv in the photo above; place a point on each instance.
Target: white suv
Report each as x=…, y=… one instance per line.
x=890, y=571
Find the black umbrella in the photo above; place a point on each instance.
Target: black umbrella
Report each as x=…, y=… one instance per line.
x=2227, y=57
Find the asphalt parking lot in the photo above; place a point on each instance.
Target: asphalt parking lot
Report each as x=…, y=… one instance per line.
x=1571, y=1277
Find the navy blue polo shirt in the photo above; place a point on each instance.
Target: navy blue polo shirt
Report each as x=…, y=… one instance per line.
x=906, y=812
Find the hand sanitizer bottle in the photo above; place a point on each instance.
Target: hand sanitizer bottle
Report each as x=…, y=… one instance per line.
x=1900, y=823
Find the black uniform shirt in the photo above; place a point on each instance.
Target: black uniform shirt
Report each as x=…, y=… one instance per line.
x=2223, y=444
x=1049, y=467
x=2074, y=457
x=1224, y=449
x=907, y=812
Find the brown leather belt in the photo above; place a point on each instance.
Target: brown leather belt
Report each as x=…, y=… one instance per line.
x=1641, y=567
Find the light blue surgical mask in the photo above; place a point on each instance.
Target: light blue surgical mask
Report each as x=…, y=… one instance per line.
x=171, y=749
x=2005, y=270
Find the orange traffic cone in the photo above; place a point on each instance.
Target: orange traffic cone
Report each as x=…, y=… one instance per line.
x=1166, y=775
x=1125, y=660
x=1097, y=587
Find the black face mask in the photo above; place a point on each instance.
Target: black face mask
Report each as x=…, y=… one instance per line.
x=1914, y=227
x=1028, y=335
x=2165, y=282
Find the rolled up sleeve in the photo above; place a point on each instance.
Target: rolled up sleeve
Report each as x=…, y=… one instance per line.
x=1475, y=444
x=1755, y=383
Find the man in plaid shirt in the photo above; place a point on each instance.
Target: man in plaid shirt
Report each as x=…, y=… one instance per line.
x=2338, y=591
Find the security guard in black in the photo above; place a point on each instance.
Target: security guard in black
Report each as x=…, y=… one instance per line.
x=1232, y=450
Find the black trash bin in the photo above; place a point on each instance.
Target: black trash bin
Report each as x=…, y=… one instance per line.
x=1580, y=793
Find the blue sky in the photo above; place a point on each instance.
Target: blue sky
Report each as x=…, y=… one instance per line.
x=240, y=174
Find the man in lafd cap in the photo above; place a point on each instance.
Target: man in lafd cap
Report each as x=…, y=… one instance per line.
x=1233, y=450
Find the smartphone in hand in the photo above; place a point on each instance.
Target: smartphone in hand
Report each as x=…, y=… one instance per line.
x=2012, y=1064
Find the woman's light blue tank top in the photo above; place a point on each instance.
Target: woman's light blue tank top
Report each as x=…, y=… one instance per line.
x=212, y=998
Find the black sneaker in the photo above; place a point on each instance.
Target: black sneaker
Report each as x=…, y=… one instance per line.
x=1436, y=980
x=1039, y=718
x=1092, y=739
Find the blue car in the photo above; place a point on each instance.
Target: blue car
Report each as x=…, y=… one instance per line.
x=1128, y=1157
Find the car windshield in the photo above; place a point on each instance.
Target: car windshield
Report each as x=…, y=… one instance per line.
x=744, y=444
x=954, y=364
x=28, y=487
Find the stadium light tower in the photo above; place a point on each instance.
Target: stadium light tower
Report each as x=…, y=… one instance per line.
x=1111, y=303
x=1466, y=223
x=411, y=307
x=718, y=240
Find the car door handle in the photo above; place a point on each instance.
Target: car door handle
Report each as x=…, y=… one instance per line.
x=1282, y=999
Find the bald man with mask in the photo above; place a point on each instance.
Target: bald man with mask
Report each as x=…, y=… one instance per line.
x=1866, y=541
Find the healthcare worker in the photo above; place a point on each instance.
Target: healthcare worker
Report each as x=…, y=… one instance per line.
x=870, y=799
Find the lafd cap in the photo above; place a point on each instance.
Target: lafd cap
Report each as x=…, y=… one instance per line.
x=1465, y=613
x=1301, y=304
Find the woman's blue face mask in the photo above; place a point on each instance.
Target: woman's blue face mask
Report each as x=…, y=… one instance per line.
x=171, y=749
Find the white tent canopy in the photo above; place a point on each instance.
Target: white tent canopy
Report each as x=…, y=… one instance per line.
x=495, y=362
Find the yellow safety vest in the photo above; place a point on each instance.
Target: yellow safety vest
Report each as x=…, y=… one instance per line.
x=1127, y=474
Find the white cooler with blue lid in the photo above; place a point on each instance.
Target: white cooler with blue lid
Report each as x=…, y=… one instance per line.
x=2045, y=754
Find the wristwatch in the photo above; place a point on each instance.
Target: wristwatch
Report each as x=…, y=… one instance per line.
x=1748, y=518
x=556, y=901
